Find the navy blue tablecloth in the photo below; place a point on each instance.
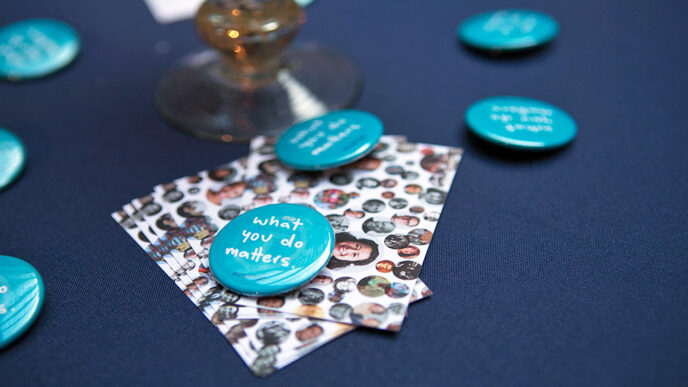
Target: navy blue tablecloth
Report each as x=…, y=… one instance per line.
x=566, y=268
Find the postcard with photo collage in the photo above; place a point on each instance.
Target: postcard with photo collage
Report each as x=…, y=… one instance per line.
x=263, y=337
x=383, y=208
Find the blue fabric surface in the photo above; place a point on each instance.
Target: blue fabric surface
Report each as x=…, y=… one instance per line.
x=566, y=268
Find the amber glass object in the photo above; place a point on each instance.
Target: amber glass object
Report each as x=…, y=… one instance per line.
x=252, y=82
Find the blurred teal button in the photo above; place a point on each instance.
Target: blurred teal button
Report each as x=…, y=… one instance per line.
x=21, y=298
x=12, y=157
x=271, y=249
x=329, y=141
x=508, y=30
x=36, y=47
x=304, y=3
x=521, y=123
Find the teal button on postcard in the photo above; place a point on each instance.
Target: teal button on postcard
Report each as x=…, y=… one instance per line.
x=329, y=141
x=521, y=123
x=21, y=298
x=36, y=47
x=271, y=249
x=12, y=157
x=508, y=30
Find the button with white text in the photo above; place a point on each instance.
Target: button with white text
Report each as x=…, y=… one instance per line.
x=521, y=123
x=271, y=249
x=21, y=298
x=329, y=141
x=508, y=30
x=12, y=157
x=36, y=47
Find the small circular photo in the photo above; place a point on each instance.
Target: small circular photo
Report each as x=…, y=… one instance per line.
x=321, y=280
x=397, y=290
x=341, y=178
x=262, y=199
x=229, y=297
x=378, y=226
x=420, y=236
x=405, y=220
x=228, y=191
x=407, y=270
x=271, y=302
x=373, y=206
x=222, y=174
x=335, y=296
x=273, y=332
x=367, y=163
x=311, y=296
x=352, y=250
x=341, y=311
x=369, y=314
x=271, y=167
x=435, y=163
x=398, y=203
x=191, y=209
x=396, y=241
x=309, y=333
x=413, y=189
x=417, y=209
x=394, y=170
x=431, y=216
x=387, y=195
x=354, y=214
x=388, y=183
x=373, y=286
x=172, y=196
x=435, y=196
x=344, y=285
x=409, y=175
x=338, y=222
x=194, y=190
x=150, y=209
x=299, y=193
x=331, y=199
x=367, y=182
x=409, y=252
x=229, y=212
x=406, y=147
x=305, y=179
x=225, y=312
x=260, y=184
x=165, y=222
x=397, y=308
x=384, y=266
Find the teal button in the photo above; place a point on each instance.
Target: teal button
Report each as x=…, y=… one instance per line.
x=36, y=47
x=304, y=3
x=521, y=123
x=329, y=141
x=12, y=157
x=508, y=30
x=21, y=298
x=271, y=249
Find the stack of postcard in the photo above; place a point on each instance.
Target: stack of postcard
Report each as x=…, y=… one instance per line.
x=383, y=207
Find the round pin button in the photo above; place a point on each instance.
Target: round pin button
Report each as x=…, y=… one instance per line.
x=36, y=47
x=12, y=157
x=508, y=30
x=21, y=298
x=271, y=249
x=329, y=141
x=304, y=3
x=521, y=123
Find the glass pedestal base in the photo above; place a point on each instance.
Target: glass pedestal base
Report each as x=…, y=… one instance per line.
x=197, y=98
